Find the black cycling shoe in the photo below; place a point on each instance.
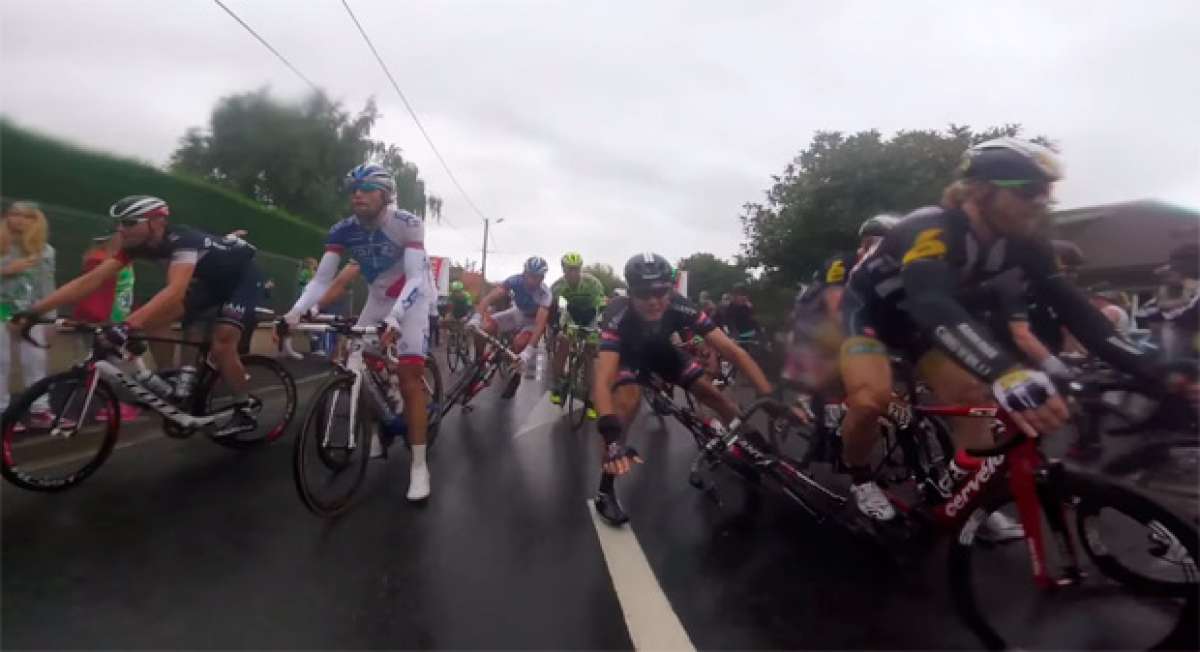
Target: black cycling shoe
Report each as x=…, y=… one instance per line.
x=513, y=383
x=610, y=510
x=243, y=420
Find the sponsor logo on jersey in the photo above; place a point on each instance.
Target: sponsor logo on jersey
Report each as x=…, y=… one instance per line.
x=836, y=272
x=928, y=244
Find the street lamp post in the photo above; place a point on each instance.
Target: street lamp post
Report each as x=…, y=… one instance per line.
x=483, y=264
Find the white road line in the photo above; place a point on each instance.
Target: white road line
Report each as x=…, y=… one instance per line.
x=543, y=414
x=651, y=621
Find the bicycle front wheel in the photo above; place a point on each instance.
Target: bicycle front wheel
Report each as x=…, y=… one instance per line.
x=579, y=398
x=434, y=395
x=271, y=386
x=59, y=431
x=1138, y=592
x=454, y=356
x=330, y=457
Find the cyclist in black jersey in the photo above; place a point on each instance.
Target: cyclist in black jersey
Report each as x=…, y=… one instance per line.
x=635, y=339
x=203, y=272
x=911, y=293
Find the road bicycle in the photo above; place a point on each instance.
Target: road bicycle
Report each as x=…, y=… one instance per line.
x=496, y=358
x=361, y=400
x=581, y=356
x=65, y=426
x=459, y=348
x=1140, y=590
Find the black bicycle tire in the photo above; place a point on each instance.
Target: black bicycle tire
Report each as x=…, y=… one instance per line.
x=25, y=401
x=1096, y=494
x=289, y=390
x=434, y=408
x=307, y=496
x=579, y=390
x=452, y=351
x=967, y=605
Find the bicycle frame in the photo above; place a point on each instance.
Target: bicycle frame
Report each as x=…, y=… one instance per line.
x=1027, y=481
x=480, y=371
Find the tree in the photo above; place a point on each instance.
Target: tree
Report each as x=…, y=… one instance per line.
x=294, y=156
x=607, y=277
x=815, y=207
x=708, y=273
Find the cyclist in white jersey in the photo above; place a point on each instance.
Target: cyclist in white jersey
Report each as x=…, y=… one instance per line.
x=389, y=246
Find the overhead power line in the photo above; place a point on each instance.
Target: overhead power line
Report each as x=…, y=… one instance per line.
x=412, y=113
x=267, y=45
x=317, y=89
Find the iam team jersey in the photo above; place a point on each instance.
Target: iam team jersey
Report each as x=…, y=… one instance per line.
x=379, y=251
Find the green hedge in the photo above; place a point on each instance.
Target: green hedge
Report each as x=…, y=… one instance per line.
x=33, y=166
x=75, y=187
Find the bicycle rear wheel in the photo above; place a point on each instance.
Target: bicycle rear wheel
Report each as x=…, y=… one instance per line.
x=330, y=460
x=453, y=347
x=434, y=395
x=1139, y=592
x=56, y=435
x=275, y=390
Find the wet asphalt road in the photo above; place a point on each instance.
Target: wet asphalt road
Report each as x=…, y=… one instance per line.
x=177, y=544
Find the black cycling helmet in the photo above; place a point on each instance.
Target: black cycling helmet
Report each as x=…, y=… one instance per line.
x=1067, y=254
x=648, y=271
x=139, y=206
x=1011, y=160
x=878, y=226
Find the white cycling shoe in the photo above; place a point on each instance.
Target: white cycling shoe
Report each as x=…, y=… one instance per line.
x=872, y=502
x=418, y=483
x=998, y=528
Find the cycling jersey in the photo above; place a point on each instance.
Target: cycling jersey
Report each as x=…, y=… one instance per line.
x=646, y=346
x=461, y=304
x=225, y=276
x=525, y=300
x=217, y=259
x=739, y=319
x=391, y=256
x=921, y=277
x=583, y=299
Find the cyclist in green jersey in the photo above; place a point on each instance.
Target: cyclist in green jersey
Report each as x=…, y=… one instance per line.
x=585, y=296
x=461, y=301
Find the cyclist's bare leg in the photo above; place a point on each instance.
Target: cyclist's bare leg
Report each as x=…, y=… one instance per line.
x=560, y=360
x=954, y=385
x=704, y=391
x=412, y=389
x=490, y=327
x=225, y=354
x=867, y=376
x=164, y=352
x=626, y=401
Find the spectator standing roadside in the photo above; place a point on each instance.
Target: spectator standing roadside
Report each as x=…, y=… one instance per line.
x=26, y=276
x=112, y=301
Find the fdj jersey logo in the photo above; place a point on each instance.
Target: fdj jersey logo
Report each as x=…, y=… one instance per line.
x=927, y=245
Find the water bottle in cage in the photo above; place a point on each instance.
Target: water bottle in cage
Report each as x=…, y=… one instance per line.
x=185, y=382
x=151, y=380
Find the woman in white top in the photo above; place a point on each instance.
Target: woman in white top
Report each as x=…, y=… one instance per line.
x=26, y=276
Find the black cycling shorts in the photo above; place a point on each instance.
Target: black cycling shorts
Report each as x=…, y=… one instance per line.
x=235, y=300
x=660, y=358
x=892, y=327
x=582, y=316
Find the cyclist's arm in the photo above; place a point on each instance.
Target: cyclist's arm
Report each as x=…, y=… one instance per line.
x=416, y=275
x=1028, y=343
x=608, y=363
x=339, y=285
x=490, y=298
x=717, y=339
x=539, y=324
x=1093, y=330
x=931, y=304
x=79, y=287
x=179, y=275
x=318, y=285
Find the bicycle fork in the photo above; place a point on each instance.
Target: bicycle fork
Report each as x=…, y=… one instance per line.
x=1038, y=491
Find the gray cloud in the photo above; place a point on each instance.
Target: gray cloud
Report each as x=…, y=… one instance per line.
x=612, y=127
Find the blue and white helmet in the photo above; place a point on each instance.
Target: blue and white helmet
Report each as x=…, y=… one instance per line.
x=371, y=174
x=537, y=265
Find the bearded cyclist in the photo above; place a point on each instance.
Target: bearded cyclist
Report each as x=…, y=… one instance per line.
x=584, y=295
x=636, y=339
x=389, y=245
x=203, y=272
x=908, y=294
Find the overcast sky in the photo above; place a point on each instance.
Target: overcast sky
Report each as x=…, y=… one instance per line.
x=615, y=127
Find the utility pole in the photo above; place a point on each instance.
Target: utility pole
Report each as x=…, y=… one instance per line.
x=483, y=264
